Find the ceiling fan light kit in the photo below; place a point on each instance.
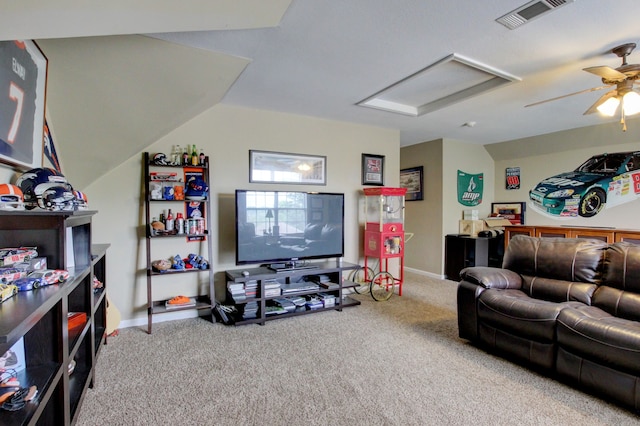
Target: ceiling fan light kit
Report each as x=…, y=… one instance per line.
x=623, y=78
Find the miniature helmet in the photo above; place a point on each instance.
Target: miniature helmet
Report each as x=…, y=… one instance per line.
x=196, y=189
x=34, y=182
x=81, y=201
x=160, y=159
x=11, y=197
x=57, y=198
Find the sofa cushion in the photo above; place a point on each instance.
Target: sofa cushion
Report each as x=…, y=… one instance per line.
x=489, y=277
x=568, y=259
x=594, y=334
x=622, y=267
x=619, y=303
x=519, y=314
x=558, y=290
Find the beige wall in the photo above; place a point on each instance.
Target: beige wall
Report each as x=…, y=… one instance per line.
x=439, y=214
x=424, y=218
x=227, y=134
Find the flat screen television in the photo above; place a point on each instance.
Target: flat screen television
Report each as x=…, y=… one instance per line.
x=283, y=229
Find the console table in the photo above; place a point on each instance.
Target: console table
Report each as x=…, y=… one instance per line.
x=252, y=285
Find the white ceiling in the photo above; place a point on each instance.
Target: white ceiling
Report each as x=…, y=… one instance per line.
x=320, y=58
x=325, y=56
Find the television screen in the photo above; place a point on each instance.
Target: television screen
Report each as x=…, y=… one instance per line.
x=288, y=226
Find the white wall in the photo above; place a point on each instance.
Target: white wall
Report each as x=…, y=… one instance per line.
x=227, y=134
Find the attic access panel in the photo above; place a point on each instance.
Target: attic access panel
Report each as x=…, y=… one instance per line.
x=445, y=82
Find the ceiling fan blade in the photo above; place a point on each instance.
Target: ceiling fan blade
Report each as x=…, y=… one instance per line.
x=607, y=73
x=602, y=99
x=593, y=89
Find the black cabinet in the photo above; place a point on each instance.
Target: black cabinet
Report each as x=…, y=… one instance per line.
x=40, y=317
x=463, y=250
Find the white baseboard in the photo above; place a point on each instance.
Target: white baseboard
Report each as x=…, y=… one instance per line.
x=142, y=321
x=425, y=273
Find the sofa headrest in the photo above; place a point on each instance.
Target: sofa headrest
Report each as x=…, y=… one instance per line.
x=569, y=259
x=622, y=266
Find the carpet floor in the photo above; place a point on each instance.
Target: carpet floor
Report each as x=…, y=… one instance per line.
x=398, y=362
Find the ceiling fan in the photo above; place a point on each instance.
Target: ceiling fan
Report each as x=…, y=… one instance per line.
x=623, y=78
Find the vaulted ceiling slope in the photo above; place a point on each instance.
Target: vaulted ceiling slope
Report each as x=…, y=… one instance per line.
x=109, y=97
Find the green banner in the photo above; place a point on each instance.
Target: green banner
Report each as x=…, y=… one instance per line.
x=469, y=188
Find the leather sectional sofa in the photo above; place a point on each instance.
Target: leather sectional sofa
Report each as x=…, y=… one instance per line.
x=569, y=308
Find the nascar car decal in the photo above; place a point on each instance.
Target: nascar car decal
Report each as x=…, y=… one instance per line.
x=603, y=180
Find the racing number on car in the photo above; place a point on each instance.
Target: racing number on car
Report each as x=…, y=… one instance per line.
x=636, y=183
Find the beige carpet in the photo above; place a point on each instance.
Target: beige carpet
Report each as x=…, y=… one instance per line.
x=398, y=362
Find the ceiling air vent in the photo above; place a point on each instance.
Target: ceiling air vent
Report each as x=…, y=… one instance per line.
x=529, y=11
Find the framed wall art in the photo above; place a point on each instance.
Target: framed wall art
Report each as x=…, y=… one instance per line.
x=23, y=81
x=514, y=212
x=281, y=167
x=372, y=169
x=412, y=179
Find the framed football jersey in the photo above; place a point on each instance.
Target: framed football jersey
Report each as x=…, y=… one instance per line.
x=23, y=80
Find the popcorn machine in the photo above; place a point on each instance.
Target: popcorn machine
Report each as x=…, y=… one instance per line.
x=384, y=237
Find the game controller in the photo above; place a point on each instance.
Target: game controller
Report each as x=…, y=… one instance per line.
x=245, y=273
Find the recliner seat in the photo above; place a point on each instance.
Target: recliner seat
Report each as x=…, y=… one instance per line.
x=570, y=307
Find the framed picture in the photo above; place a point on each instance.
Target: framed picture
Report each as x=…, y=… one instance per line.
x=412, y=180
x=372, y=169
x=281, y=167
x=23, y=81
x=514, y=212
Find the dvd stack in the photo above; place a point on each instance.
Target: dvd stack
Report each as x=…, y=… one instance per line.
x=314, y=303
x=298, y=301
x=328, y=300
x=251, y=289
x=250, y=310
x=285, y=303
x=237, y=291
x=271, y=288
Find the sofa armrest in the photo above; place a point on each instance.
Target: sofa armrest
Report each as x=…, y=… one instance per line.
x=490, y=277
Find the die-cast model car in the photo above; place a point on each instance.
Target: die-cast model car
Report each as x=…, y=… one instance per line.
x=9, y=275
x=41, y=278
x=7, y=291
x=9, y=256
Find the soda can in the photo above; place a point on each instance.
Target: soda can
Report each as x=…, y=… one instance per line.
x=200, y=226
x=193, y=226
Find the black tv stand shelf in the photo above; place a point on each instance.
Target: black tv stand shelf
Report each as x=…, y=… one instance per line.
x=290, y=267
x=292, y=283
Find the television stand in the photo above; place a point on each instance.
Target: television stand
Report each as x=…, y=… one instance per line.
x=256, y=292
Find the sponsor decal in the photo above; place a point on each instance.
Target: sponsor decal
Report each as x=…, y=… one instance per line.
x=512, y=177
x=470, y=188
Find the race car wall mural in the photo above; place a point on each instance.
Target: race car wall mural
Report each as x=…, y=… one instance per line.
x=604, y=180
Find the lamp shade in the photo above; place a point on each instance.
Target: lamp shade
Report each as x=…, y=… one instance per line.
x=269, y=214
x=609, y=107
x=631, y=103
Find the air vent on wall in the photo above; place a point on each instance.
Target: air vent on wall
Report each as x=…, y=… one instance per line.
x=529, y=11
